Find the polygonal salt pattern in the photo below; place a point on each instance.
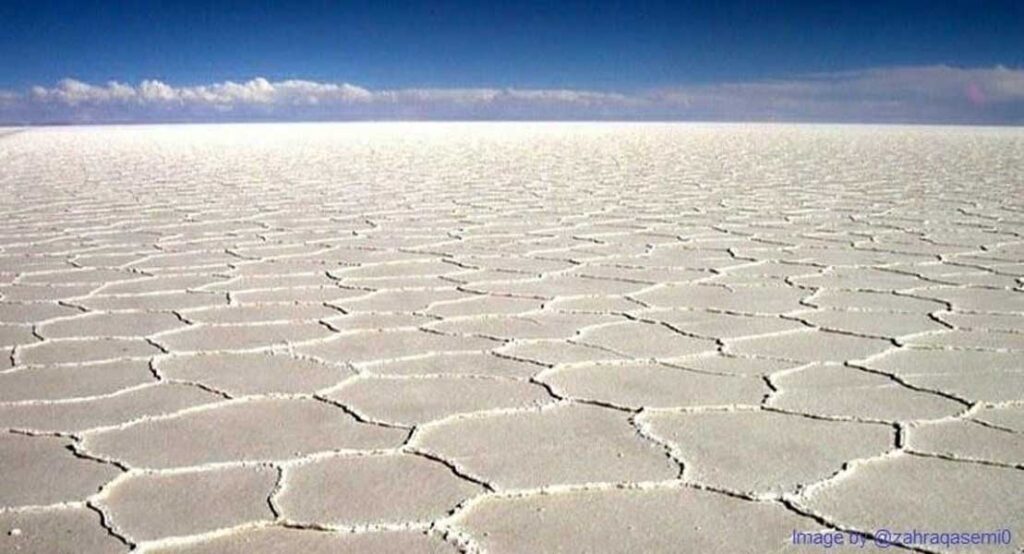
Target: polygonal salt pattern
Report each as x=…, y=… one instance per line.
x=507, y=337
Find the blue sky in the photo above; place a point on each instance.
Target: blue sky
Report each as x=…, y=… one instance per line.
x=939, y=61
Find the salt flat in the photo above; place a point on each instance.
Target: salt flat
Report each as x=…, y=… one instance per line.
x=509, y=337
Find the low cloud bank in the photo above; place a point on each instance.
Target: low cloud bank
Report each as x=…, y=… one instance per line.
x=926, y=94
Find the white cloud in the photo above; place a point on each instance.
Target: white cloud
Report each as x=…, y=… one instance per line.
x=257, y=91
x=922, y=94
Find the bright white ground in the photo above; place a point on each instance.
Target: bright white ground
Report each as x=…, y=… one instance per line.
x=508, y=337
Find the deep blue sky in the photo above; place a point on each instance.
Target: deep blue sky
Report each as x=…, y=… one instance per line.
x=577, y=44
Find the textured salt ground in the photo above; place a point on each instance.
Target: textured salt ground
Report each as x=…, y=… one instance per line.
x=507, y=337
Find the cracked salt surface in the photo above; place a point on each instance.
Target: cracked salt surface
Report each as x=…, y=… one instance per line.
x=507, y=337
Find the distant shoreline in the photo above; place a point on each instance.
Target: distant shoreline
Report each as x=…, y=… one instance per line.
x=35, y=125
